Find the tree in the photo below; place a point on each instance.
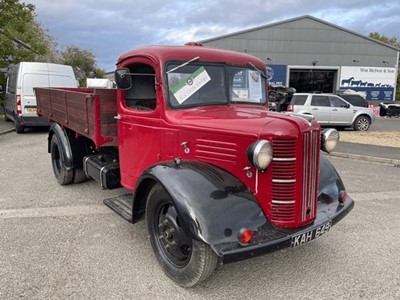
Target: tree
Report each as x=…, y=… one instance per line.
x=83, y=62
x=393, y=41
x=22, y=37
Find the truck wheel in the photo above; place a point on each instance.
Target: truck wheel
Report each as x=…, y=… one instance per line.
x=79, y=175
x=362, y=123
x=186, y=261
x=62, y=175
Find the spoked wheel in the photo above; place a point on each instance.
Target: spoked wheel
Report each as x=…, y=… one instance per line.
x=186, y=261
x=362, y=123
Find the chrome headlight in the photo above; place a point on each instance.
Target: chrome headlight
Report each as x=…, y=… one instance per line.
x=260, y=154
x=329, y=139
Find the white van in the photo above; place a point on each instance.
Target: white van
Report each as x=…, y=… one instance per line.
x=99, y=83
x=20, y=100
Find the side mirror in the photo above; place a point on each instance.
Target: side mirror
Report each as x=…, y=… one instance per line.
x=123, y=79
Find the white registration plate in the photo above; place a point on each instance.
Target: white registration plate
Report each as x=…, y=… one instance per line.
x=31, y=109
x=308, y=236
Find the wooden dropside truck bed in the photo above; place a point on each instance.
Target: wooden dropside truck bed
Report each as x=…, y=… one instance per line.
x=89, y=112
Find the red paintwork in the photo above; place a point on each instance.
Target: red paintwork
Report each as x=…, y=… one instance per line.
x=160, y=55
x=219, y=135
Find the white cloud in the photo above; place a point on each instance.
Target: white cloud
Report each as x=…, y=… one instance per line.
x=109, y=28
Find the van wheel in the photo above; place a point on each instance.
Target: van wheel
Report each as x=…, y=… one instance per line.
x=62, y=175
x=186, y=261
x=362, y=123
x=7, y=119
x=18, y=127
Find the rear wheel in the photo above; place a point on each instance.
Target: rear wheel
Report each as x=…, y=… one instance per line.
x=362, y=123
x=18, y=127
x=186, y=261
x=63, y=175
x=79, y=175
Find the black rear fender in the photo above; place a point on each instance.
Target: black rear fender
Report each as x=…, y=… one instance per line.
x=56, y=129
x=74, y=149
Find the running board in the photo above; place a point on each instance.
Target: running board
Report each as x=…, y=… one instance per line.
x=122, y=205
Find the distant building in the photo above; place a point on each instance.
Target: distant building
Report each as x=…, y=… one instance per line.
x=312, y=55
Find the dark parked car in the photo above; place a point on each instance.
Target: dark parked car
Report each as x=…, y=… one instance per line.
x=354, y=99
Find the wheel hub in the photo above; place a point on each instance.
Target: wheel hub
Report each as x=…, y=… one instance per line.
x=174, y=242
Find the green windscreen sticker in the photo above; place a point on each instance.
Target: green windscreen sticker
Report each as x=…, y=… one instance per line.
x=186, y=88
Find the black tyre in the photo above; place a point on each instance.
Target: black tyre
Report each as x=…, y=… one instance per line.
x=79, y=175
x=362, y=123
x=18, y=127
x=62, y=175
x=5, y=116
x=186, y=261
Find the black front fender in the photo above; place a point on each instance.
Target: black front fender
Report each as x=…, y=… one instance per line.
x=330, y=183
x=213, y=204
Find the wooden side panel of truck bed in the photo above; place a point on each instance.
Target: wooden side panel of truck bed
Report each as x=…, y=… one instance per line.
x=89, y=112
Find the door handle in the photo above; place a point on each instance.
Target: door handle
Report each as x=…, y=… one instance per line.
x=314, y=108
x=117, y=117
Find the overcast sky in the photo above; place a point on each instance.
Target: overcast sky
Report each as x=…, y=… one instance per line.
x=108, y=28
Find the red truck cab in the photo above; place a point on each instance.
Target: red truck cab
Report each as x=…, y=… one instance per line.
x=218, y=177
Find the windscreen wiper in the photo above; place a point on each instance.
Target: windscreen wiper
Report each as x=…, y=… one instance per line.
x=184, y=64
x=257, y=69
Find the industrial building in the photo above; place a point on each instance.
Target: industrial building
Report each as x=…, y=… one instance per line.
x=313, y=55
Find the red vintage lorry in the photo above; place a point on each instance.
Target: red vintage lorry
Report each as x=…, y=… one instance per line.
x=187, y=133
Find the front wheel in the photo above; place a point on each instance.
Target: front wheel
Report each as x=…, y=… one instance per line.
x=186, y=261
x=362, y=123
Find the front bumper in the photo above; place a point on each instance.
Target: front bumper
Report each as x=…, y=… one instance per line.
x=270, y=239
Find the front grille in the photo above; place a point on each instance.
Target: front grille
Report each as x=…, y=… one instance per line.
x=295, y=180
x=311, y=144
x=283, y=202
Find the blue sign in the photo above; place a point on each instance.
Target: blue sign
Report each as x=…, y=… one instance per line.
x=375, y=93
x=277, y=74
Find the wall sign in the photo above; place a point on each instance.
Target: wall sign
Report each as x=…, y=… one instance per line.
x=276, y=74
x=378, y=83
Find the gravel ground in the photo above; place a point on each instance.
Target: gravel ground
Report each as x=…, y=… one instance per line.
x=379, y=138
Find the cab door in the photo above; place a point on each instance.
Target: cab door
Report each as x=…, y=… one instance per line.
x=138, y=122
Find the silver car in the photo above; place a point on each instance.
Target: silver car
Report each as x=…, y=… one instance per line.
x=333, y=111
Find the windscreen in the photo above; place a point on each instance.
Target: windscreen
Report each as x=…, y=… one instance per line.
x=202, y=84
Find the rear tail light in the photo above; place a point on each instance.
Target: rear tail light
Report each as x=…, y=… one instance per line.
x=19, y=107
x=290, y=108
